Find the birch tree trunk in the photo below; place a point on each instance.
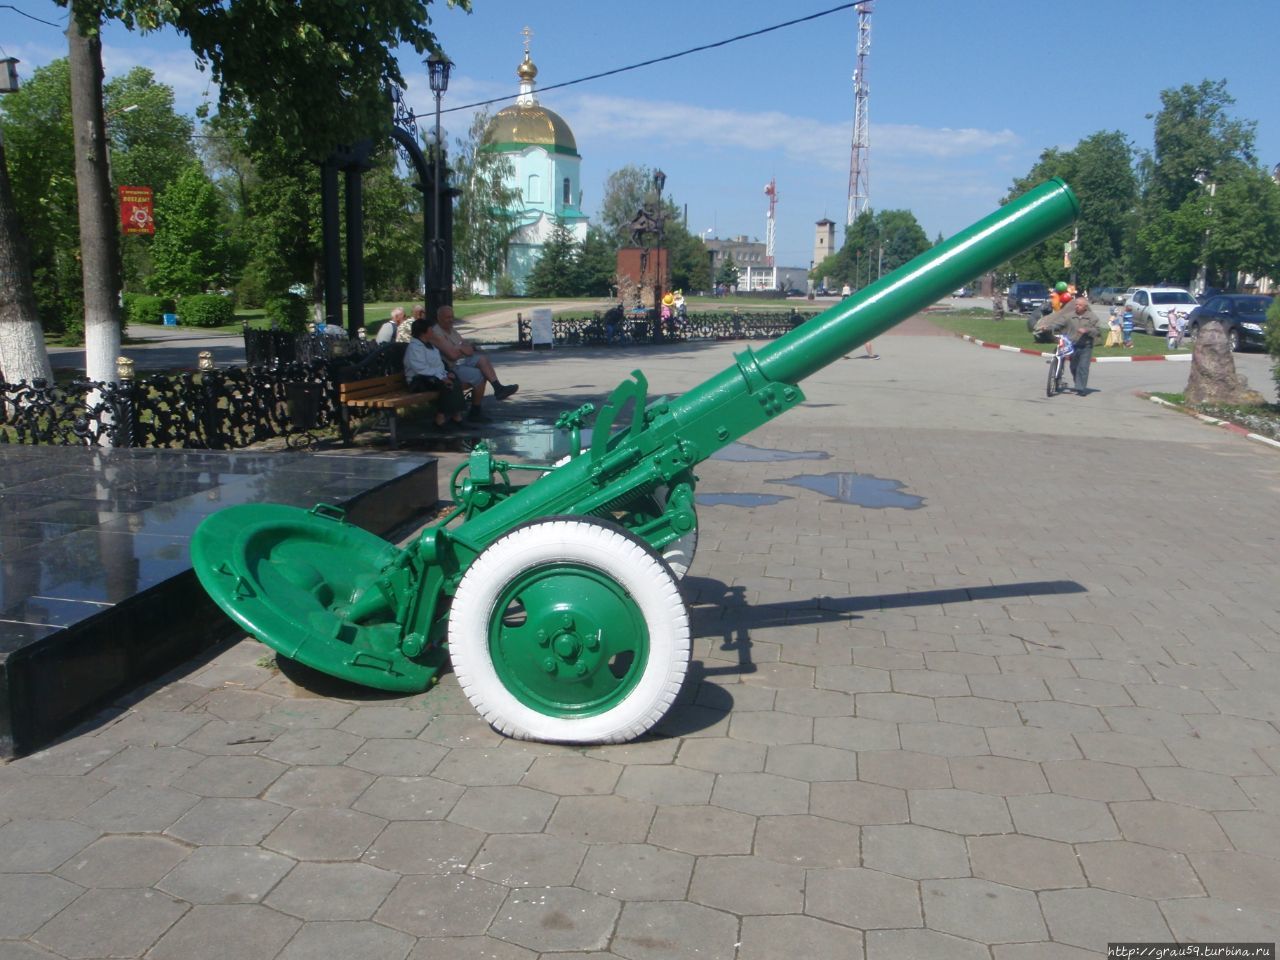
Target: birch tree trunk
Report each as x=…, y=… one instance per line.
x=22, y=351
x=99, y=243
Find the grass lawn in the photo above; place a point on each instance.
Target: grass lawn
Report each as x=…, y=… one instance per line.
x=1012, y=331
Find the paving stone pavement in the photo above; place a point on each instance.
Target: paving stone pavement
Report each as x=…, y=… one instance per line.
x=1034, y=714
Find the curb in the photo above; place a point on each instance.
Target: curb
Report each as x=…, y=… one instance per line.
x=1214, y=421
x=1185, y=357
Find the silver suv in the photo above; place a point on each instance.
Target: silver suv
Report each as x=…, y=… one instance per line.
x=1151, y=307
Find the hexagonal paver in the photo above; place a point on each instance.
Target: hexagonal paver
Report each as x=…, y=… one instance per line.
x=324, y=833
x=1069, y=819
x=332, y=891
x=959, y=811
x=703, y=831
x=1090, y=918
x=1138, y=870
x=123, y=862
x=659, y=931
x=1240, y=878
x=921, y=945
x=898, y=768
x=228, y=820
x=665, y=784
x=230, y=776
x=37, y=846
x=147, y=766
x=767, y=938
x=856, y=733
x=1214, y=756
x=1170, y=826
x=129, y=809
x=1126, y=749
x=503, y=809
x=807, y=841
x=858, y=803
x=484, y=766
x=397, y=758
x=915, y=852
x=452, y=906
x=226, y=875
x=747, y=885
x=811, y=762
x=1195, y=788
x=572, y=776
x=601, y=819
x=1253, y=831
x=359, y=940
x=317, y=786
x=243, y=932
x=1092, y=780
x=386, y=723
x=635, y=871
x=1029, y=862
x=1207, y=919
x=304, y=714
x=722, y=755
x=462, y=730
x=997, y=776
x=424, y=846
x=1032, y=743
x=231, y=738
x=981, y=910
x=28, y=900
x=409, y=798
x=528, y=859
x=761, y=794
x=312, y=746
x=110, y=923
x=556, y=918
x=866, y=899
x=770, y=728
x=944, y=739
x=232, y=704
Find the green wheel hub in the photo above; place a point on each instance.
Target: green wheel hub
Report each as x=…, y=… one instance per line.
x=567, y=640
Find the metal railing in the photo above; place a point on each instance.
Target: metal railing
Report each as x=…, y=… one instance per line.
x=614, y=328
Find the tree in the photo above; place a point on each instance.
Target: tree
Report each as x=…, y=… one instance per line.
x=392, y=229
x=687, y=259
x=22, y=350
x=877, y=242
x=189, y=252
x=727, y=275
x=486, y=211
x=625, y=192
x=598, y=262
x=558, y=270
x=1244, y=228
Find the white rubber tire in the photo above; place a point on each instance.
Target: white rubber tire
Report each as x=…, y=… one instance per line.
x=611, y=550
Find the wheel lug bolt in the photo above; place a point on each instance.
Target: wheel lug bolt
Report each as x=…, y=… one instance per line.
x=582, y=669
x=543, y=639
x=549, y=665
x=593, y=642
x=567, y=621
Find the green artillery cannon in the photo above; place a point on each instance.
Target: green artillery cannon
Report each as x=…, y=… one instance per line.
x=557, y=601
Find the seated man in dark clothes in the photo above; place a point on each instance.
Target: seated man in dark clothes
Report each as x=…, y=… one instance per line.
x=424, y=370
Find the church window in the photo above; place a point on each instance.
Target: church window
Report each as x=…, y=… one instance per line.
x=534, y=193
x=567, y=194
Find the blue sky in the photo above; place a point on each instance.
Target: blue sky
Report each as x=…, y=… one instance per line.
x=963, y=97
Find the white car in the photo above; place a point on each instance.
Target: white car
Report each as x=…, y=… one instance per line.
x=1151, y=307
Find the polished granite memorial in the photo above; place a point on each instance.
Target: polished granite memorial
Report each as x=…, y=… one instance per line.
x=97, y=593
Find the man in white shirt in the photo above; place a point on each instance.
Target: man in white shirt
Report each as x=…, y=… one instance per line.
x=424, y=370
x=387, y=332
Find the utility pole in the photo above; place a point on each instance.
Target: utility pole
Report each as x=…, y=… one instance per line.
x=860, y=152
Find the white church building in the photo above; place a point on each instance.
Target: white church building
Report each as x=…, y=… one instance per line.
x=546, y=163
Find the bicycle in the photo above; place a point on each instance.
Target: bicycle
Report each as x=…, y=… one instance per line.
x=1058, y=366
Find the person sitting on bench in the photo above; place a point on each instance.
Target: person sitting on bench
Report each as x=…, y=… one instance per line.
x=424, y=370
x=468, y=361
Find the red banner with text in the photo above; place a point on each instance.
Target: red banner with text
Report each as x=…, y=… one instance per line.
x=135, y=210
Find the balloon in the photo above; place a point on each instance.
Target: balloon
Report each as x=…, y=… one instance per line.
x=1061, y=286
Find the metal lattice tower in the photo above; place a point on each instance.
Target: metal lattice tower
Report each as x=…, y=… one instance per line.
x=770, y=191
x=860, y=153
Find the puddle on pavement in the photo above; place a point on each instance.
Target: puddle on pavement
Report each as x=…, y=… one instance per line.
x=746, y=453
x=859, y=489
x=738, y=499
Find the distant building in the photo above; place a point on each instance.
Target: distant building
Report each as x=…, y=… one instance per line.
x=754, y=272
x=824, y=240
x=546, y=163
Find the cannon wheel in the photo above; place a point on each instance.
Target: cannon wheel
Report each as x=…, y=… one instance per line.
x=570, y=630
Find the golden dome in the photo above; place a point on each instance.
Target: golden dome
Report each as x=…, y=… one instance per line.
x=526, y=70
x=530, y=124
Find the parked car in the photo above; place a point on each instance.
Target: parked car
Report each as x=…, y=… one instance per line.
x=1243, y=316
x=1151, y=306
x=963, y=292
x=1207, y=294
x=1025, y=296
x=1107, y=295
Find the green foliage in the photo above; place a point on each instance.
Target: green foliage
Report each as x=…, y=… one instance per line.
x=189, y=253
x=625, y=192
x=288, y=312
x=145, y=308
x=728, y=273
x=558, y=272
x=1273, y=338
x=686, y=257
x=505, y=286
x=875, y=243
x=315, y=74
x=392, y=229
x=206, y=310
x=486, y=211
x=598, y=263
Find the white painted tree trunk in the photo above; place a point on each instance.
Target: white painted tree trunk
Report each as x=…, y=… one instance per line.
x=99, y=243
x=22, y=351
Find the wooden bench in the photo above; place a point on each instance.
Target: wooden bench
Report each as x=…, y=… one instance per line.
x=390, y=394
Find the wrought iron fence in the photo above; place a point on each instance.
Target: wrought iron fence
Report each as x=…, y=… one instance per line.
x=614, y=328
x=213, y=409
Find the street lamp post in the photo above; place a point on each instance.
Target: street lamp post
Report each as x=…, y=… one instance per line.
x=659, y=181
x=438, y=66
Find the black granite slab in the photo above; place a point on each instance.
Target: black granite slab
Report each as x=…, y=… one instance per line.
x=97, y=594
